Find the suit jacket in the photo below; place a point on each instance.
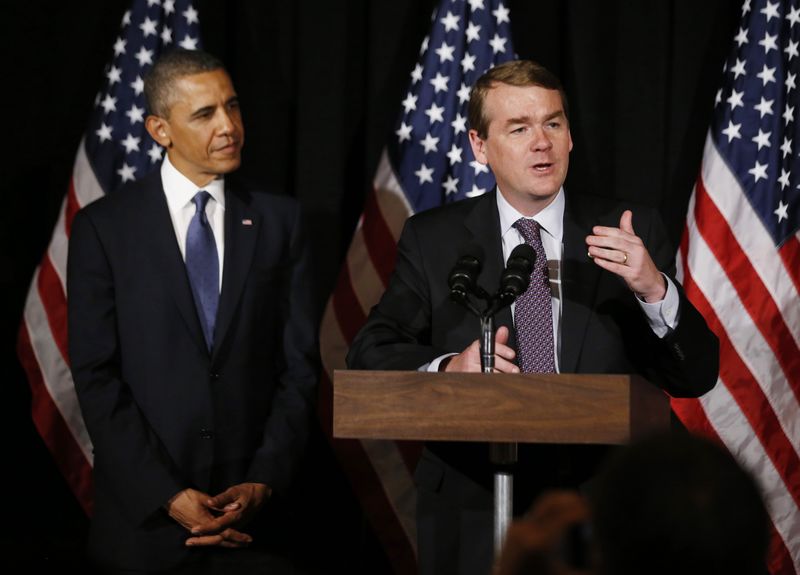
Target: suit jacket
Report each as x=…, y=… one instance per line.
x=162, y=412
x=603, y=330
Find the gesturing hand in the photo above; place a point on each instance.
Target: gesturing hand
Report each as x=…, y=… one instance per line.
x=622, y=252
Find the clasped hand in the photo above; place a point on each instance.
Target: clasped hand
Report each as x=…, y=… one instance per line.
x=216, y=521
x=469, y=360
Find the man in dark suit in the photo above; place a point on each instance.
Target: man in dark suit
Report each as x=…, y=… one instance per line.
x=597, y=303
x=192, y=341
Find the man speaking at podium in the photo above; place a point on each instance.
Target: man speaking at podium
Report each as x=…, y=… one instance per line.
x=601, y=300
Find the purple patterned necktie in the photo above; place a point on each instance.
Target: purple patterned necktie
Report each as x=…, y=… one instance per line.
x=533, y=312
x=202, y=265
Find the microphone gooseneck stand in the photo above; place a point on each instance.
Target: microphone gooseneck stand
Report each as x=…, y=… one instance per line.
x=513, y=282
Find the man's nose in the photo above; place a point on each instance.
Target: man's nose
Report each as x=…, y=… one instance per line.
x=540, y=141
x=225, y=123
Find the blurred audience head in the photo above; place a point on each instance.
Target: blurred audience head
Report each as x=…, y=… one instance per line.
x=678, y=504
x=671, y=504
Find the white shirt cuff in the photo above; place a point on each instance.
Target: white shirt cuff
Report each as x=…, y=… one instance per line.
x=434, y=365
x=662, y=316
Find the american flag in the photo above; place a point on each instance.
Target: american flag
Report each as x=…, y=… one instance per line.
x=114, y=149
x=427, y=162
x=740, y=264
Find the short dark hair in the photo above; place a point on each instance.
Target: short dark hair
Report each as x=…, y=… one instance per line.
x=514, y=73
x=177, y=63
x=678, y=503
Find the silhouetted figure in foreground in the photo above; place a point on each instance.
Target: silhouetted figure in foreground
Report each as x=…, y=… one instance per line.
x=671, y=504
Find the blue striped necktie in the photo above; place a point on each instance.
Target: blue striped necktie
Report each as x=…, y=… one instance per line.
x=202, y=265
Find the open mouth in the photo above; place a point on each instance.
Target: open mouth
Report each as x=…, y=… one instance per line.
x=542, y=167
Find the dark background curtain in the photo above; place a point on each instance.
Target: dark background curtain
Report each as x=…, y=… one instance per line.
x=320, y=85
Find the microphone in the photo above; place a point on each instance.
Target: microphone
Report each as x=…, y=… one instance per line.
x=463, y=277
x=517, y=275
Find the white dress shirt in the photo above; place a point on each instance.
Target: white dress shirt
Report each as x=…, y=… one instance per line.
x=662, y=316
x=179, y=191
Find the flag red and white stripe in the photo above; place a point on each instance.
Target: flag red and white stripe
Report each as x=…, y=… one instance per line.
x=740, y=264
x=42, y=345
x=380, y=471
x=748, y=292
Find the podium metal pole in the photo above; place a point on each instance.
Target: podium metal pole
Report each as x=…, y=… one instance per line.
x=503, y=455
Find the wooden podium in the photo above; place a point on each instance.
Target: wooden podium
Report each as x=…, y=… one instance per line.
x=497, y=408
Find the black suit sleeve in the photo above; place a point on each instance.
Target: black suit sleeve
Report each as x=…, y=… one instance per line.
x=287, y=425
x=397, y=334
x=685, y=363
x=143, y=472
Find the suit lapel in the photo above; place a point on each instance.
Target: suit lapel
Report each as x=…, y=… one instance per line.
x=159, y=237
x=579, y=281
x=241, y=230
x=483, y=223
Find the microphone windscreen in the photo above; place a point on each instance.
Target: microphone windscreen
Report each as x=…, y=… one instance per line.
x=523, y=255
x=464, y=274
x=517, y=275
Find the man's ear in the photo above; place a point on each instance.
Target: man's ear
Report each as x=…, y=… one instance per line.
x=158, y=128
x=478, y=145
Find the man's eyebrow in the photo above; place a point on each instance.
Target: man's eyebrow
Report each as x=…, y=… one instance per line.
x=554, y=115
x=527, y=119
x=518, y=120
x=206, y=109
x=202, y=111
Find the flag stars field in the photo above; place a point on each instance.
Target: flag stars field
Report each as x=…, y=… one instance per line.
x=137, y=86
x=191, y=15
x=425, y=174
x=189, y=43
x=114, y=75
x=404, y=132
x=135, y=114
x=166, y=35
x=749, y=116
x=155, y=153
x=430, y=143
x=410, y=103
x=144, y=56
x=130, y=143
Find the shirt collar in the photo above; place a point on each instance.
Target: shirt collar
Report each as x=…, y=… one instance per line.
x=180, y=190
x=550, y=219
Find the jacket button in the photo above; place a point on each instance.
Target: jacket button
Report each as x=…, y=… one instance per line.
x=206, y=434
